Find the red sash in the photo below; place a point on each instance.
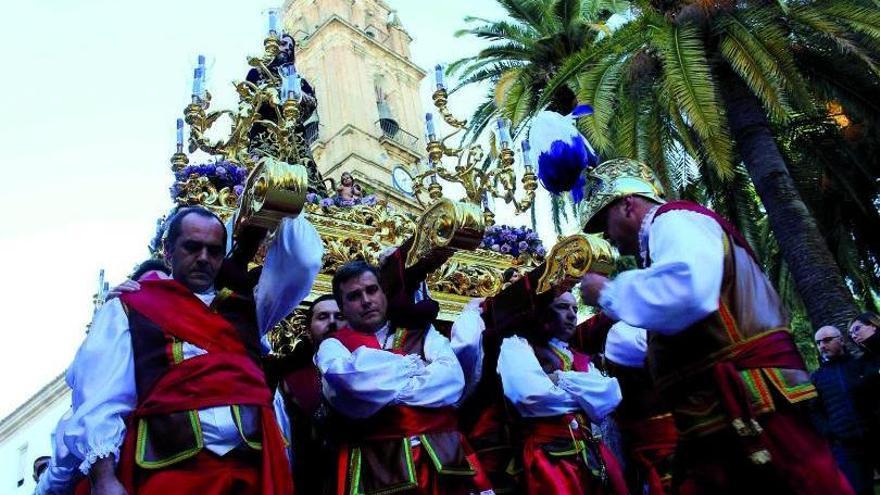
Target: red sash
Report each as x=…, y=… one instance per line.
x=652, y=441
x=226, y=375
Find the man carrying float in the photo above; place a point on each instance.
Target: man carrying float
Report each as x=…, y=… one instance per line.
x=394, y=387
x=719, y=347
x=168, y=393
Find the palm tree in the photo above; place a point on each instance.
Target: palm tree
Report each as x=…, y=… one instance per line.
x=526, y=52
x=713, y=78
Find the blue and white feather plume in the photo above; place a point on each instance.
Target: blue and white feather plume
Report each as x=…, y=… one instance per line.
x=561, y=151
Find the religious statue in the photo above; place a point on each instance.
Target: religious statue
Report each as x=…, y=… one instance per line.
x=349, y=190
x=308, y=105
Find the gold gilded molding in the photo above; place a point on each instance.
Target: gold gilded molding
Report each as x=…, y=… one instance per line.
x=572, y=257
x=447, y=223
x=274, y=190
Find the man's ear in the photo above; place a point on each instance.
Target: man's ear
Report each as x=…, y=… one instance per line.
x=628, y=206
x=167, y=251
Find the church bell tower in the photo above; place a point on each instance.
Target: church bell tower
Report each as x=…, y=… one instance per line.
x=355, y=54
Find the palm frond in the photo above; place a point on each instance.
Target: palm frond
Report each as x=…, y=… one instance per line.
x=566, y=12
x=687, y=77
x=529, y=12
x=827, y=26
x=599, y=87
x=748, y=57
x=860, y=19
x=519, y=100
x=626, y=39
x=480, y=119
x=500, y=31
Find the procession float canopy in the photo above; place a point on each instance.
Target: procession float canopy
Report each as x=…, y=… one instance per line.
x=263, y=170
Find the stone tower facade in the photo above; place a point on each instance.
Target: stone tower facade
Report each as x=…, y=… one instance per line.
x=356, y=55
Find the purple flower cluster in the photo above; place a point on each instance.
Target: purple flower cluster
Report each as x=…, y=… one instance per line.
x=313, y=198
x=513, y=241
x=221, y=174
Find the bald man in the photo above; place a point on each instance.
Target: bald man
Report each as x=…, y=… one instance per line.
x=839, y=411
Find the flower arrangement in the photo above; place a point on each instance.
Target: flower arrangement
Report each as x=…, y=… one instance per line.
x=221, y=174
x=515, y=241
x=326, y=202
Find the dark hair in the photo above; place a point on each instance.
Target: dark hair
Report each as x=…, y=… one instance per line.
x=508, y=274
x=868, y=318
x=310, y=311
x=150, y=265
x=172, y=232
x=347, y=272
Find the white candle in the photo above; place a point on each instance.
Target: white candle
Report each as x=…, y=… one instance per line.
x=503, y=133
x=273, y=23
x=438, y=77
x=527, y=154
x=197, y=84
x=179, y=135
x=429, y=127
x=291, y=83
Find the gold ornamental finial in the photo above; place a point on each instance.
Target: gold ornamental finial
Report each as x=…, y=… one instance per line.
x=468, y=168
x=264, y=141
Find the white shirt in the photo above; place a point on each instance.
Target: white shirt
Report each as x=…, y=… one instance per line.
x=358, y=384
x=102, y=376
x=626, y=345
x=683, y=284
x=467, y=343
x=533, y=394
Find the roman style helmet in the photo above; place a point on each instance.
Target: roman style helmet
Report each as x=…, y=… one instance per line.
x=612, y=180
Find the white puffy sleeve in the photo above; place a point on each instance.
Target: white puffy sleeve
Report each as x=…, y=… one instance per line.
x=683, y=283
x=596, y=394
x=104, y=393
x=289, y=270
x=360, y=383
x=626, y=345
x=526, y=385
x=441, y=382
x=62, y=473
x=467, y=343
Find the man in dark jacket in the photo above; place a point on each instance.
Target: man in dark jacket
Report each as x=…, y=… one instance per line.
x=838, y=411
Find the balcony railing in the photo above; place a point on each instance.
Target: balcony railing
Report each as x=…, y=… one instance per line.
x=391, y=131
x=312, y=132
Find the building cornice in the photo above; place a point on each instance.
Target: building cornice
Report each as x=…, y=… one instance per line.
x=39, y=402
x=336, y=19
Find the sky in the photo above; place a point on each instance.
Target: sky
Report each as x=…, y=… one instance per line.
x=88, y=98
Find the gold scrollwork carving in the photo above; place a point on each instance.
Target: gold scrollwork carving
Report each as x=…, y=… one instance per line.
x=283, y=337
x=274, y=190
x=446, y=223
x=454, y=277
x=574, y=256
x=198, y=190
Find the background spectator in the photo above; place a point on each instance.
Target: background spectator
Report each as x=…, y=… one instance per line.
x=840, y=411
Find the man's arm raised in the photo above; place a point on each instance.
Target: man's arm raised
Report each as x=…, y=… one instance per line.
x=289, y=270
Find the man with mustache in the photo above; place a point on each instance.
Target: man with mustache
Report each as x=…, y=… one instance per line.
x=168, y=393
x=720, y=350
x=394, y=391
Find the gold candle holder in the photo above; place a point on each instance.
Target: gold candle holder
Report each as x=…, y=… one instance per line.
x=179, y=160
x=271, y=47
